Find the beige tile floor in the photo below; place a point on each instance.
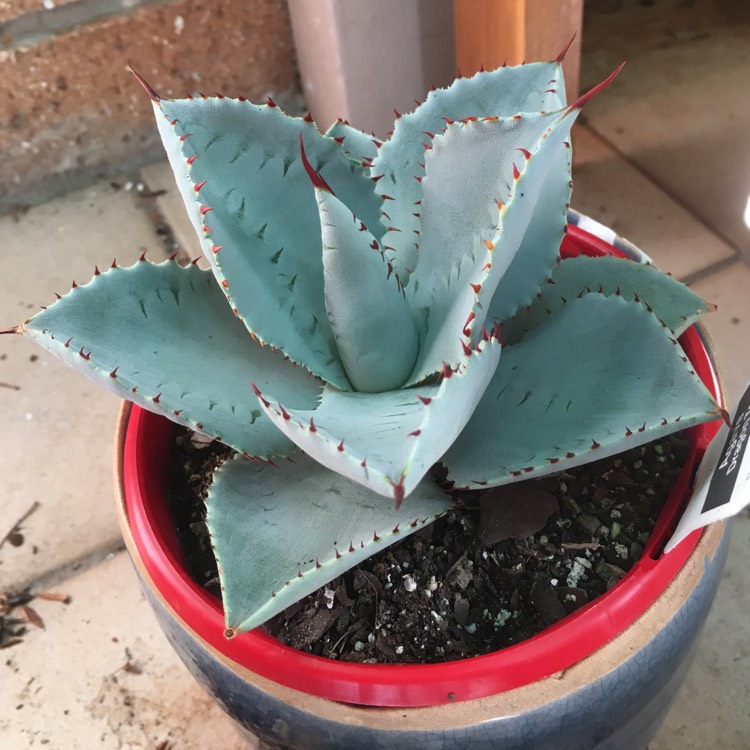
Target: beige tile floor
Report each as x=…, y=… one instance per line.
x=67, y=686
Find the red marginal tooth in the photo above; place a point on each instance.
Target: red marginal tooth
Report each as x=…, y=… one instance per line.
x=113, y=374
x=351, y=546
x=114, y=263
x=67, y=343
x=259, y=395
x=390, y=271
x=215, y=248
x=308, y=117
x=338, y=554
x=378, y=177
x=313, y=428
x=569, y=454
x=191, y=159
x=396, y=113
x=387, y=197
x=595, y=445
x=476, y=287
x=225, y=284
x=97, y=272
x=340, y=446
x=74, y=285
x=199, y=185
x=426, y=400
x=642, y=428
x=553, y=460
x=628, y=432
x=284, y=413
x=527, y=154
x=416, y=433
x=87, y=357
x=184, y=137
x=317, y=181
x=374, y=245
x=447, y=372
x=466, y=348
x=339, y=139
x=270, y=103
x=516, y=173
x=418, y=179
x=663, y=421
x=157, y=398
x=205, y=209
x=173, y=256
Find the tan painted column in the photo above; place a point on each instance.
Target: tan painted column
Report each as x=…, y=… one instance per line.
x=360, y=59
x=489, y=32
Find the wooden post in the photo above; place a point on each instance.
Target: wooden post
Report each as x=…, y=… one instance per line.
x=491, y=32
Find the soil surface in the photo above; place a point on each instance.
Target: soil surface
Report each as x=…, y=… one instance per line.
x=459, y=587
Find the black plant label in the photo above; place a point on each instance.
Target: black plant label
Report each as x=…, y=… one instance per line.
x=722, y=483
x=732, y=463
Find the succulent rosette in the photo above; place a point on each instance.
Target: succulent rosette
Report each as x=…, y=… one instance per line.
x=372, y=309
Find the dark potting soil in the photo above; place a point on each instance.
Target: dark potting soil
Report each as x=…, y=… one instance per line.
x=457, y=588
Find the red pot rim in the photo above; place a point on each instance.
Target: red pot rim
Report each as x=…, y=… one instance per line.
x=144, y=461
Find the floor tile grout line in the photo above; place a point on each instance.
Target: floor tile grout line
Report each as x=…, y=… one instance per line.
x=58, y=576
x=711, y=270
x=661, y=186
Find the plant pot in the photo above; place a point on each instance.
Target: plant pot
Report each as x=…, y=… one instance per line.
x=602, y=677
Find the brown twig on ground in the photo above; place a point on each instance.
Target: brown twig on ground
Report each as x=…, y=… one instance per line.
x=16, y=526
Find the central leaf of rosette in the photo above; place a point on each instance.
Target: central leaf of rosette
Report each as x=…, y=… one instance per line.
x=371, y=320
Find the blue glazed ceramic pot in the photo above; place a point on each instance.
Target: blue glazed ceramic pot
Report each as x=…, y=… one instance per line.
x=602, y=678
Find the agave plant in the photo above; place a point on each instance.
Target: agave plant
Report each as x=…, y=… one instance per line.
x=374, y=308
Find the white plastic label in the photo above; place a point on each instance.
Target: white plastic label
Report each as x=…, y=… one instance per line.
x=722, y=484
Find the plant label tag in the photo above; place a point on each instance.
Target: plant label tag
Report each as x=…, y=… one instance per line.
x=722, y=483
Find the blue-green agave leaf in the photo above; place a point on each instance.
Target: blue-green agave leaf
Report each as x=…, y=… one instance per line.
x=239, y=170
x=371, y=320
x=500, y=93
x=388, y=441
x=672, y=302
x=164, y=337
x=600, y=376
x=539, y=249
x=482, y=185
x=358, y=146
x=280, y=534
